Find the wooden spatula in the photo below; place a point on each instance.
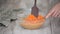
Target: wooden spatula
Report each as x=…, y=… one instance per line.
x=35, y=10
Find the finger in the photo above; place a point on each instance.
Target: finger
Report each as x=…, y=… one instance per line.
x=50, y=13
x=55, y=13
x=58, y=15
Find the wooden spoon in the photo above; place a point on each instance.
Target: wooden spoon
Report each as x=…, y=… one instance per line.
x=35, y=10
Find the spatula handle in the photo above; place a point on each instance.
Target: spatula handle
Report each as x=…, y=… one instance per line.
x=35, y=3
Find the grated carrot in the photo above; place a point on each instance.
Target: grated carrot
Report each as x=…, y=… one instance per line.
x=32, y=19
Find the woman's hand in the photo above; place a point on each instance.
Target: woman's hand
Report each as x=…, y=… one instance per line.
x=54, y=12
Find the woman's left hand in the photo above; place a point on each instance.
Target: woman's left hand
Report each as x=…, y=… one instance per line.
x=54, y=12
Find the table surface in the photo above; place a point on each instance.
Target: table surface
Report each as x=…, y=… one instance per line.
x=49, y=27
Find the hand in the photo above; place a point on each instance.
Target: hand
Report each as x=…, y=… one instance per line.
x=54, y=12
